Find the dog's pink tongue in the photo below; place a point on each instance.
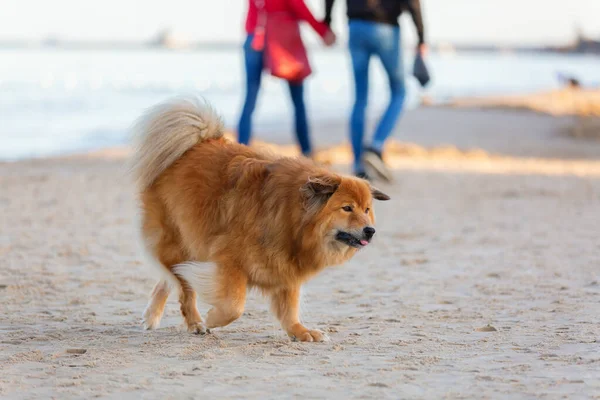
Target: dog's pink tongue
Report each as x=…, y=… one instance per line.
x=364, y=242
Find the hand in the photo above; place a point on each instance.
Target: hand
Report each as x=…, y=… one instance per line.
x=329, y=38
x=422, y=49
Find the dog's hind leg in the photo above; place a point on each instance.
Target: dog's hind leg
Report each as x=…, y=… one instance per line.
x=158, y=299
x=163, y=242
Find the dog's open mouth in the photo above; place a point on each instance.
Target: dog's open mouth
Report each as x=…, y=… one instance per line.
x=351, y=240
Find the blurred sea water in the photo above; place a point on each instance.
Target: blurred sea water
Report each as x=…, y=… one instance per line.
x=56, y=101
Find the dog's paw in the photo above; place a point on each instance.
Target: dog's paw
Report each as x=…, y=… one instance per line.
x=312, y=336
x=150, y=320
x=198, y=328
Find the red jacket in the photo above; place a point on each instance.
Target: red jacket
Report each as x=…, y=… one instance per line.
x=293, y=7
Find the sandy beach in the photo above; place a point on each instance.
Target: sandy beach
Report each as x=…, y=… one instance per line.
x=483, y=280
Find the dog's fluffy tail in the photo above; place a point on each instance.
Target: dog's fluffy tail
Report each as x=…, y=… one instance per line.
x=167, y=131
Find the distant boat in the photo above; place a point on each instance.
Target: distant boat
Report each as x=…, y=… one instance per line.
x=51, y=42
x=171, y=40
x=584, y=45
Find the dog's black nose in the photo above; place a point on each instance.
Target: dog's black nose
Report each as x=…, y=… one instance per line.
x=369, y=232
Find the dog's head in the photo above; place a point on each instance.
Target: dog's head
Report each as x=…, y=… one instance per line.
x=344, y=208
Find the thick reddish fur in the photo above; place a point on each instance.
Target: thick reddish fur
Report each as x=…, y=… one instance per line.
x=258, y=218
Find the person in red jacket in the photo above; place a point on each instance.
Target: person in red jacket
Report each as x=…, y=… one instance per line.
x=254, y=65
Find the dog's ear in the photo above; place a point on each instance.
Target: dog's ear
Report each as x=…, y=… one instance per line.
x=317, y=190
x=322, y=185
x=378, y=194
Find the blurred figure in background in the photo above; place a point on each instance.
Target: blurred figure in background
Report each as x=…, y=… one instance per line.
x=272, y=27
x=374, y=30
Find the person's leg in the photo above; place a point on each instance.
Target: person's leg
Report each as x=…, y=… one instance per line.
x=302, y=129
x=388, y=49
x=360, y=55
x=253, y=61
x=390, y=53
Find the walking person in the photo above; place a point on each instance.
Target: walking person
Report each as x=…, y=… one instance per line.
x=273, y=41
x=374, y=30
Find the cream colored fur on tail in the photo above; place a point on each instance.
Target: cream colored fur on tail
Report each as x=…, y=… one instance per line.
x=168, y=130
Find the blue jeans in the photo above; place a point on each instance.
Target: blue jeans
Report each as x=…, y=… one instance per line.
x=254, y=66
x=383, y=40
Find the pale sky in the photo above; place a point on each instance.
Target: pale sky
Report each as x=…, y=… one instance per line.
x=471, y=21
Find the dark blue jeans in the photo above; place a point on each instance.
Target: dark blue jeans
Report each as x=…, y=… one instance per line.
x=382, y=40
x=254, y=66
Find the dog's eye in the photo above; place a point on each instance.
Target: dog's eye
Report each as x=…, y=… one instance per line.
x=347, y=208
x=367, y=210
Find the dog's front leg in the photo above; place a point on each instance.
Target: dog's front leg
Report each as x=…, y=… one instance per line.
x=286, y=306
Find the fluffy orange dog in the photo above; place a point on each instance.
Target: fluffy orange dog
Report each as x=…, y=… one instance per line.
x=221, y=218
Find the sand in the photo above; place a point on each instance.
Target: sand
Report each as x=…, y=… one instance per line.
x=578, y=108
x=567, y=101
x=483, y=281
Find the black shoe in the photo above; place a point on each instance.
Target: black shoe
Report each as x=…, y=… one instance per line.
x=363, y=175
x=374, y=160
